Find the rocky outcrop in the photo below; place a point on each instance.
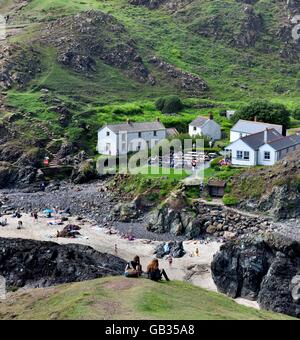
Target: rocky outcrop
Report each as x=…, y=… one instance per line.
x=84, y=38
x=185, y=81
x=18, y=65
x=151, y=4
x=18, y=165
x=246, y=32
x=172, y=5
x=176, y=217
x=251, y=28
x=126, y=212
x=43, y=264
x=266, y=269
x=288, y=33
x=174, y=249
x=278, y=193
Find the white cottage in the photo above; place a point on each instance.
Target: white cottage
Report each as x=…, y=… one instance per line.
x=120, y=139
x=206, y=127
x=245, y=128
x=263, y=148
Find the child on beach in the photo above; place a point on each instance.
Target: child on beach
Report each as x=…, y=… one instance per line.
x=170, y=260
x=35, y=217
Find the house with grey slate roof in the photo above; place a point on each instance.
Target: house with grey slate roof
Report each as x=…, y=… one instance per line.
x=262, y=148
x=207, y=127
x=245, y=128
x=120, y=139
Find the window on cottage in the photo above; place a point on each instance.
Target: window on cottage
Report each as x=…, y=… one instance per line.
x=107, y=133
x=140, y=135
x=239, y=154
x=267, y=156
x=195, y=128
x=155, y=133
x=246, y=155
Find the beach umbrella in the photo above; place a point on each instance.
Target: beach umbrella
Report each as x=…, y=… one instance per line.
x=48, y=211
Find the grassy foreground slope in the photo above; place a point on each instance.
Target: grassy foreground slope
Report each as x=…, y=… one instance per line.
x=121, y=298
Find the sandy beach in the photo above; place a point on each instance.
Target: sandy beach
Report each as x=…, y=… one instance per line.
x=191, y=268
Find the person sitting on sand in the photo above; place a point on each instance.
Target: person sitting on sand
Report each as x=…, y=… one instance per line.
x=3, y=223
x=134, y=268
x=16, y=214
x=154, y=273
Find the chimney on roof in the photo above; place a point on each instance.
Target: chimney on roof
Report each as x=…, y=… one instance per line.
x=211, y=116
x=158, y=119
x=266, y=136
x=128, y=121
x=255, y=118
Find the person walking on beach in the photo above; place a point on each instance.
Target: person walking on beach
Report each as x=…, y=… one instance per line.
x=35, y=217
x=20, y=225
x=42, y=187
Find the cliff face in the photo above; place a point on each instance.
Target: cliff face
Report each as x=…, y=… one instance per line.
x=265, y=269
x=43, y=264
x=275, y=190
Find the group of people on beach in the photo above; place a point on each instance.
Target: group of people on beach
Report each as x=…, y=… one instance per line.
x=134, y=270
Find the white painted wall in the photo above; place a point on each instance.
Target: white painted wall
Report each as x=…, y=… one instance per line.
x=129, y=143
x=210, y=129
x=234, y=136
x=261, y=155
x=134, y=141
x=239, y=145
x=104, y=140
x=194, y=131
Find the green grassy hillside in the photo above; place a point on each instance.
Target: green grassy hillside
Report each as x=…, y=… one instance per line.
x=233, y=73
x=205, y=38
x=121, y=298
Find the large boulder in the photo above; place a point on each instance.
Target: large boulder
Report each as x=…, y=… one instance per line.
x=175, y=249
x=126, y=212
x=43, y=264
x=261, y=268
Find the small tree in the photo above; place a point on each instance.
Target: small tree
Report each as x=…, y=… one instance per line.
x=296, y=113
x=266, y=112
x=169, y=104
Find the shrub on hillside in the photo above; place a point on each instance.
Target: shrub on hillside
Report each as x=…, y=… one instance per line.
x=296, y=113
x=128, y=110
x=215, y=163
x=169, y=104
x=230, y=200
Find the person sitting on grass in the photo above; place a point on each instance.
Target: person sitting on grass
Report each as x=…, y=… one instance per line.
x=154, y=273
x=134, y=268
